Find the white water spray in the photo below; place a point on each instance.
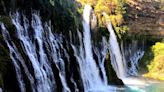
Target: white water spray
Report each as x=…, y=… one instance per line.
x=43, y=48
x=92, y=72
x=119, y=61
x=116, y=57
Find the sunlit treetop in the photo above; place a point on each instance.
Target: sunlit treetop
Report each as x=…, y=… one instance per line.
x=113, y=8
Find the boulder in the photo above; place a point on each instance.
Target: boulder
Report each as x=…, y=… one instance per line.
x=111, y=74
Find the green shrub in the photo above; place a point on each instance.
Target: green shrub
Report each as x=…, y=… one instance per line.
x=156, y=66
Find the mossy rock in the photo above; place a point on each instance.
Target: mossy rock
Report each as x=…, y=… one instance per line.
x=111, y=74
x=6, y=20
x=1, y=80
x=4, y=58
x=7, y=69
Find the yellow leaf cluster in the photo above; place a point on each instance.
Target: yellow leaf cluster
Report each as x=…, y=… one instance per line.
x=110, y=7
x=156, y=68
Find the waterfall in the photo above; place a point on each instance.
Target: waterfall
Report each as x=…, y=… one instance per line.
x=45, y=61
x=117, y=59
x=101, y=53
x=124, y=54
x=91, y=69
x=133, y=52
x=15, y=56
x=34, y=44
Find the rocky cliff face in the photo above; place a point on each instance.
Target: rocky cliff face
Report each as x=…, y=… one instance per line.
x=146, y=17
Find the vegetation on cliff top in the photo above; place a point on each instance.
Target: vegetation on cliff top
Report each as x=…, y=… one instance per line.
x=113, y=9
x=154, y=59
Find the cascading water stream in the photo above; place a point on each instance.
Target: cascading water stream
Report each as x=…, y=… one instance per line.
x=39, y=60
x=133, y=52
x=116, y=57
x=102, y=54
x=119, y=61
x=43, y=59
x=91, y=68
x=33, y=46
x=15, y=56
x=38, y=50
